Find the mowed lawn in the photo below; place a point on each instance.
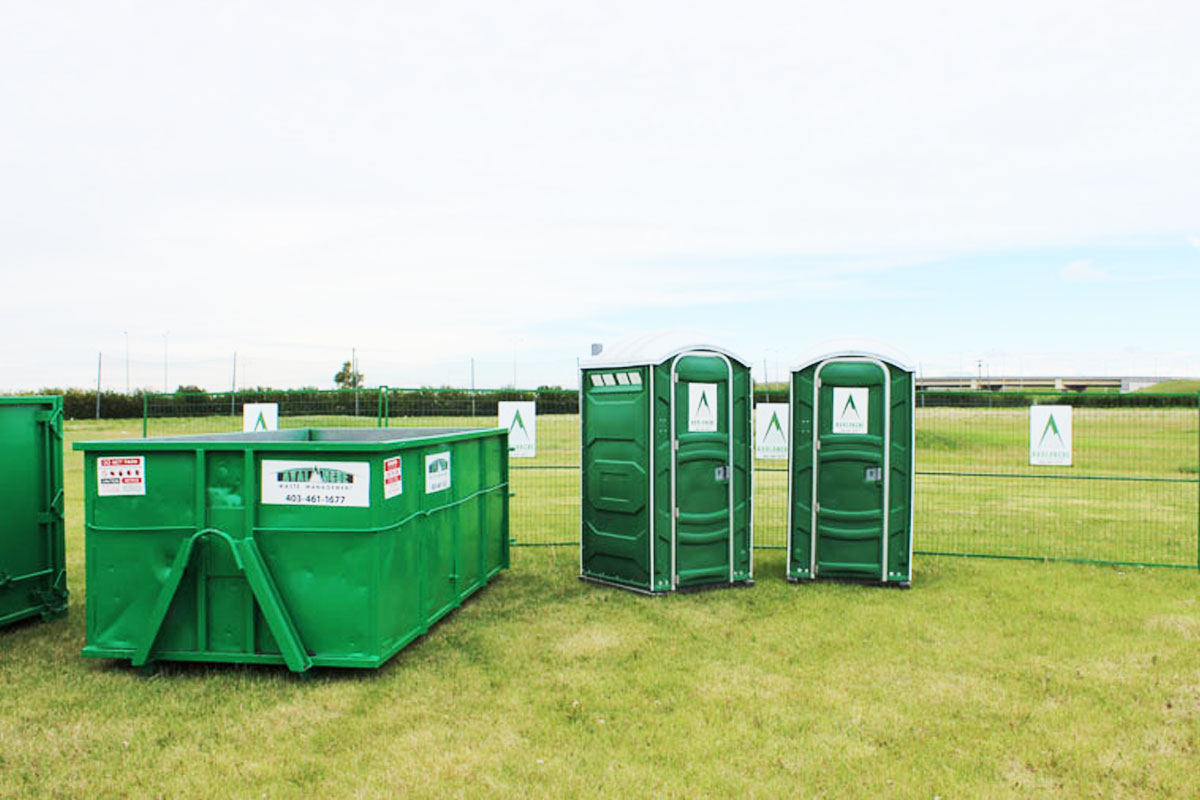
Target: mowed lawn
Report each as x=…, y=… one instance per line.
x=988, y=678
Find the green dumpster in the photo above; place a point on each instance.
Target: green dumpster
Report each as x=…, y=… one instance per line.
x=33, y=577
x=850, y=470
x=307, y=547
x=666, y=465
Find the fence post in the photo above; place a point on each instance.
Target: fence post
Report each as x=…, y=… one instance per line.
x=381, y=413
x=145, y=411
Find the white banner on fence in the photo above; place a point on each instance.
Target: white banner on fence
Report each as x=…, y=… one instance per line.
x=1050, y=436
x=770, y=430
x=260, y=417
x=520, y=417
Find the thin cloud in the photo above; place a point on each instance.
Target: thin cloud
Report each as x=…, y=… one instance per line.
x=1083, y=270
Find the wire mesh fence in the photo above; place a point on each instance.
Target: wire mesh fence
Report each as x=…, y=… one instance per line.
x=1130, y=495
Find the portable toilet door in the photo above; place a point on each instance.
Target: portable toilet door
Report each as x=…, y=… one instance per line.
x=850, y=465
x=666, y=465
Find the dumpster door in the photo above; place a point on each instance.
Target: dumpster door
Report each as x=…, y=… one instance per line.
x=32, y=567
x=701, y=469
x=852, y=400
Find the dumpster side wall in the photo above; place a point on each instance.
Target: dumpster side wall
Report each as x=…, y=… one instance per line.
x=230, y=555
x=32, y=540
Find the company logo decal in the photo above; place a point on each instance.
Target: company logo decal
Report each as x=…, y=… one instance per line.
x=702, y=407
x=316, y=483
x=851, y=413
x=437, y=472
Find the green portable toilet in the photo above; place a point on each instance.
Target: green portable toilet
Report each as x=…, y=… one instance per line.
x=850, y=459
x=33, y=578
x=666, y=465
x=330, y=547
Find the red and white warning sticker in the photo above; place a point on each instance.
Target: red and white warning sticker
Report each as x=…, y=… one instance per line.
x=124, y=475
x=393, y=478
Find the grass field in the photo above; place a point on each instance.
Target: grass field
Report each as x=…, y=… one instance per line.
x=1173, y=387
x=988, y=678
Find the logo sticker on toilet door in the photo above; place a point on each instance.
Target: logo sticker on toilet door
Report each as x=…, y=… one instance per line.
x=850, y=409
x=702, y=407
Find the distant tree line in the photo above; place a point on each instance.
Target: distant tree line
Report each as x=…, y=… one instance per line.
x=190, y=401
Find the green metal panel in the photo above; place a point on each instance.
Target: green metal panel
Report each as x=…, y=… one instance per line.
x=629, y=469
x=325, y=547
x=32, y=561
x=703, y=523
x=616, y=508
x=852, y=440
x=742, y=474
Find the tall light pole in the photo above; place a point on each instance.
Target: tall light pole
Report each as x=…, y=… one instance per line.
x=165, y=334
x=126, y=362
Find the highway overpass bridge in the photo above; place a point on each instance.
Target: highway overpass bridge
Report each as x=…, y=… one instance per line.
x=1060, y=384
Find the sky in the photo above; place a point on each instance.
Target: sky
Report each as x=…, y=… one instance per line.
x=488, y=188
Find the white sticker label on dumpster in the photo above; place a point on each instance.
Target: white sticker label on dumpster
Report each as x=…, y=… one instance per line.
x=702, y=407
x=316, y=483
x=393, y=478
x=850, y=409
x=437, y=472
x=124, y=475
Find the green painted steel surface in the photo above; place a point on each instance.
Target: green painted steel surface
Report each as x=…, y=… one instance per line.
x=632, y=472
x=616, y=503
x=703, y=542
x=304, y=547
x=852, y=443
x=32, y=562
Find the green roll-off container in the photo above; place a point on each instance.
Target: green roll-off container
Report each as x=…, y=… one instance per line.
x=666, y=465
x=850, y=464
x=33, y=577
x=307, y=547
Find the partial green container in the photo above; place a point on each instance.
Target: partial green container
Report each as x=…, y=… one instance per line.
x=666, y=465
x=33, y=571
x=850, y=466
x=306, y=547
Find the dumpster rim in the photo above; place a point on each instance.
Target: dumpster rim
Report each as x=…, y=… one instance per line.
x=176, y=443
